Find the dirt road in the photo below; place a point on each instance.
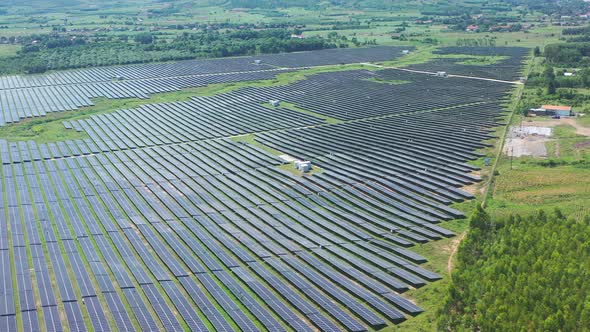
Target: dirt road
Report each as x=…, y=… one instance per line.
x=455, y=247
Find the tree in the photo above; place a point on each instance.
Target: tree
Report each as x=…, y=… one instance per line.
x=35, y=67
x=537, y=51
x=551, y=87
x=144, y=38
x=528, y=273
x=479, y=219
x=549, y=73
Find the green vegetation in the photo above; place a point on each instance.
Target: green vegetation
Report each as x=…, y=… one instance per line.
x=383, y=81
x=482, y=60
x=53, y=51
x=327, y=119
x=568, y=54
x=558, y=181
x=50, y=128
x=569, y=147
x=529, y=186
x=251, y=139
x=494, y=286
x=290, y=167
x=521, y=273
x=47, y=36
x=440, y=258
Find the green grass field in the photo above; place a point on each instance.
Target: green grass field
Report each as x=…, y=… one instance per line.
x=50, y=128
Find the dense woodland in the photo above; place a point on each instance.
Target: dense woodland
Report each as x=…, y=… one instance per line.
x=53, y=51
x=568, y=54
x=524, y=273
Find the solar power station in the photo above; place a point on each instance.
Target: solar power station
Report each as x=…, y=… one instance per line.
x=163, y=219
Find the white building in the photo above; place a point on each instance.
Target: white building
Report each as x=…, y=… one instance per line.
x=303, y=166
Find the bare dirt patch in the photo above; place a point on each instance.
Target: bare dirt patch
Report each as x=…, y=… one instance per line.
x=527, y=141
x=583, y=145
x=531, y=136
x=476, y=188
x=455, y=247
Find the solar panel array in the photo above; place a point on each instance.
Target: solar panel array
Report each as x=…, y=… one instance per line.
x=36, y=95
x=17, y=104
x=159, y=221
x=350, y=95
x=508, y=69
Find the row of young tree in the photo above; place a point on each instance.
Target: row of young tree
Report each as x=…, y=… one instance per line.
x=568, y=54
x=521, y=274
x=55, y=52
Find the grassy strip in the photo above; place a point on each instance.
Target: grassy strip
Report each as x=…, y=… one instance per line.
x=474, y=60
x=19, y=320
x=529, y=187
x=69, y=271
x=500, y=146
x=251, y=139
x=421, y=54
x=513, y=107
x=99, y=253
x=430, y=296
x=290, y=167
x=391, y=82
x=50, y=128
x=293, y=107
x=30, y=261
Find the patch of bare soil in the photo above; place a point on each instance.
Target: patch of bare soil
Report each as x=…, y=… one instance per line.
x=476, y=188
x=583, y=145
x=454, y=247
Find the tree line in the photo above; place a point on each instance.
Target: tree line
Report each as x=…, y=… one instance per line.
x=56, y=52
x=568, y=54
x=521, y=273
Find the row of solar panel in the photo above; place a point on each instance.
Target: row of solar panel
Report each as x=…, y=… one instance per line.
x=61, y=167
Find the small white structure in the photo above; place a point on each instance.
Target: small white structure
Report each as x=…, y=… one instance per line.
x=567, y=74
x=303, y=166
x=274, y=102
x=441, y=74
x=257, y=61
x=406, y=52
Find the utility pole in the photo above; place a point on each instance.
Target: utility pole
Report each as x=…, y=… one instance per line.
x=511, y=156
